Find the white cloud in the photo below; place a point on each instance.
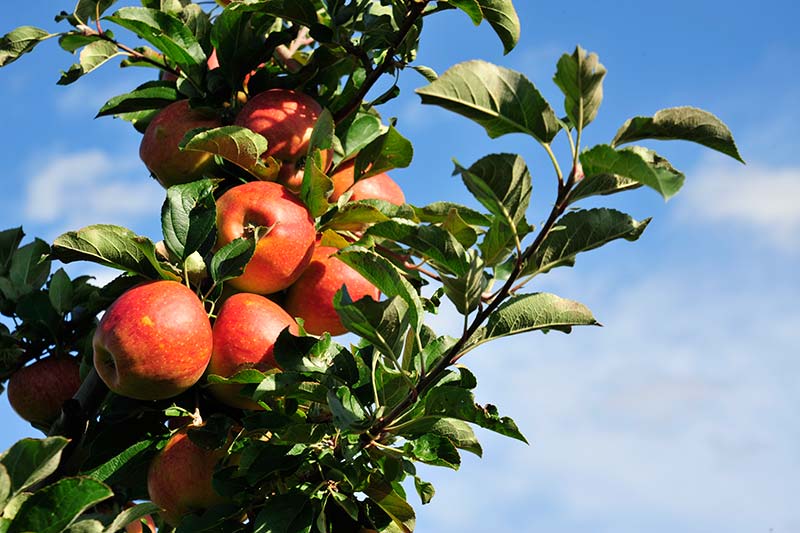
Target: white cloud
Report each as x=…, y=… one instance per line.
x=760, y=199
x=73, y=190
x=678, y=415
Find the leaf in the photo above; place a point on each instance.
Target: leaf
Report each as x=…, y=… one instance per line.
x=237, y=144
x=284, y=513
x=188, y=217
x=230, y=261
x=88, y=10
x=5, y=486
x=433, y=450
x=20, y=41
x=500, y=14
x=363, y=130
x=501, y=182
x=87, y=526
x=55, y=507
x=148, y=96
x=601, y=185
x=393, y=505
x=389, y=151
x=456, y=431
x=9, y=241
x=426, y=72
x=680, y=123
x=580, y=78
x=93, y=55
x=459, y=403
x=430, y=242
x=580, y=231
x=168, y=34
x=383, y=323
x=636, y=163
x=465, y=291
x=316, y=185
x=31, y=460
x=131, y=455
x=131, y=515
x=30, y=267
x=347, y=411
x=441, y=212
x=424, y=489
x=60, y=291
x=108, y=245
x=499, y=99
x=530, y=312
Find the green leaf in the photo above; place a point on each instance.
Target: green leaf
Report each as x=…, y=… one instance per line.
x=499, y=99
x=465, y=291
x=93, y=55
x=20, y=41
x=501, y=182
x=430, y=242
x=456, y=431
x=347, y=411
x=9, y=242
x=362, y=131
x=285, y=513
x=30, y=267
x=580, y=78
x=427, y=72
x=530, y=312
x=386, y=277
x=131, y=515
x=108, y=245
x=500, y=14
x=167, y=33
x=636, y=163
x=680, y=123
x=5, y=486
x=133, y=455
x=441, y=211
x=601, y=185
x=53, y=508
x=382, y=323
x=316, y=186
x=390, y=150
x=188, y=217
x=31, y=460
x=86, y=526
x=433, y=450
x=394, y=505
x=148, y=96
x=580, y=231
x=61, y=291
x=424, y=489
x=230, y=261
x=236, y=144
x=87, y=10
x=459, y=403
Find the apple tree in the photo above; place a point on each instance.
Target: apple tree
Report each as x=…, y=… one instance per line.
x=202, y=389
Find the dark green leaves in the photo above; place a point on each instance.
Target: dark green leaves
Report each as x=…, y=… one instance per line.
x=20, y=41
x=530, y=312
x=680, y=123
x=382, y=323
x=393, y=505
x=501, y=100
x=502, y=183
x=389, y=150
x=148, y=96
x=91, y=57
x=459, y=403
x=578, y=232
x=230, y=261
x=639, y=164
x=53, y=508
x=580, y=78
x=31, y=460
x=285, y=513
x=188, y=217
x=500, y=14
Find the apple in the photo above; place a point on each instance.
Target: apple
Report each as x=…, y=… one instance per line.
x=343, y=178
x=378, y=187
x=245, y=332
x=159, y=147
x=285, y=250
x=153, y=342
x=311, y=296
x=179, y=479
x=37, y=391
x=143, y=525
x=291, y=173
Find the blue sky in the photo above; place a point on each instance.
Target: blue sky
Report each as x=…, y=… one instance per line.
x=681, y=413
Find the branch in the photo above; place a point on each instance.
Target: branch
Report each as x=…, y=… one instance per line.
x=285, y=54
x=414, y=13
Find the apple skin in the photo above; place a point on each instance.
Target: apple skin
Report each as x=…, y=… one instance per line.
x=291, y=173
x=311, y=296
x=285, y=118
x=179, y=479
x=153, y=342
x=159, y=147
x=378, y=187
x=283, y=253
x=245, y=332
x=37, y=392
x=343, y=178
x=137, y=527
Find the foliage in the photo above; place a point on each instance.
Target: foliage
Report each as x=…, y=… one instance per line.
x=343, y=427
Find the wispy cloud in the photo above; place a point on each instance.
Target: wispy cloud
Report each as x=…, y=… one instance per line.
x=759, y=199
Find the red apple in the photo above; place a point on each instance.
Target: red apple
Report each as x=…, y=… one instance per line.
x=179, y=479
x=159, y=148
x=291, y=174
x=245, y=332
x=311, y=296
x=285, y=250
x=342, y=178
x=37, y=391
x=378, y=187
x=153, y=342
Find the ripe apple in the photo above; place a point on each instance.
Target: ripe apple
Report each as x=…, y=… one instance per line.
x=285, y=250
x=311, y=296
x=378, y=187
x=37, y=391
x=179, y=479
x=245, y=332
x=159, y=148
x=343, y=178
x=153, y=342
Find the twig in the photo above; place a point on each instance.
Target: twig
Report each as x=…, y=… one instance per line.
x=285, y=54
